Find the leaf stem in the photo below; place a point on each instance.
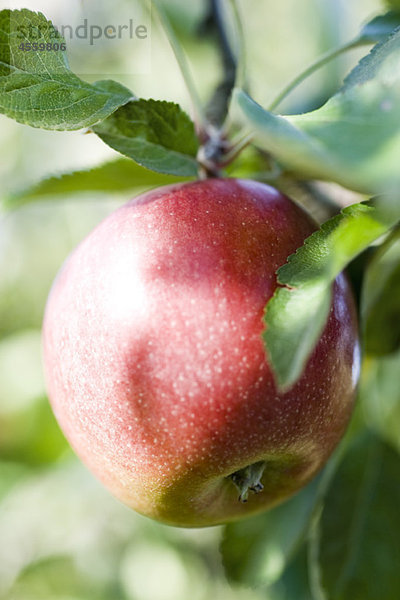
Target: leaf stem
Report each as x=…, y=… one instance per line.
x=199, y=116
x=320, y=62
x=241, y=79
x=314, y=569
x=314, y=531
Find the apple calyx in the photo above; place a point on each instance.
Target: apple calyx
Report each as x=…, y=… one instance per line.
x=248, y=479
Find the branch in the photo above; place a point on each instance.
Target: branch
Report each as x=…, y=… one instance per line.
x=217, y=107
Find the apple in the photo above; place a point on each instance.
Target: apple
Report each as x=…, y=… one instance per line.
x=155, y=364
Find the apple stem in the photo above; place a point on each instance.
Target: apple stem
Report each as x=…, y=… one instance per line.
x=248, y=479
x=216, y=152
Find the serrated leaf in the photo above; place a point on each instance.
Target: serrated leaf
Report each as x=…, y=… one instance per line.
x=256, y=551
x=354, y=139
x=378, y=29
x=296, y=314
x=37, y=87
x=380, y=66
x=156, y=134
x=380, y=396
x=294, y=321
x=327, y=251
x=380, y=308
x=359, y=546
x=121, y=175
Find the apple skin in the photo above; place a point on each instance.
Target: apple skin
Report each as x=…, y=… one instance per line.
x=155, y=364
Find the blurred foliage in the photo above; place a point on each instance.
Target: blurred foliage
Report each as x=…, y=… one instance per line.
x=358, y=531
x=381, y=299
x=294, y=582
x=58, y=579
x=257, y=550
x=380, y=395
x=62, y=536
x=395, y=4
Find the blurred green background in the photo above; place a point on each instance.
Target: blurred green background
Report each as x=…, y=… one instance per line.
x=62, y=536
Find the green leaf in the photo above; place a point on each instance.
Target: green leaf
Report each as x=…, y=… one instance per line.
x=379, y=66
x=296, y=314
x=354, y=139
x=359, y=546
x=294, y=320
x=37, y=87
x=380, y=396
x=378, y=29
x=380, y=307
x=121, y=175
x=256, y=551
x=156, y=134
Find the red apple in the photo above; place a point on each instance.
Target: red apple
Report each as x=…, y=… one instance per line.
x=155, y=364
